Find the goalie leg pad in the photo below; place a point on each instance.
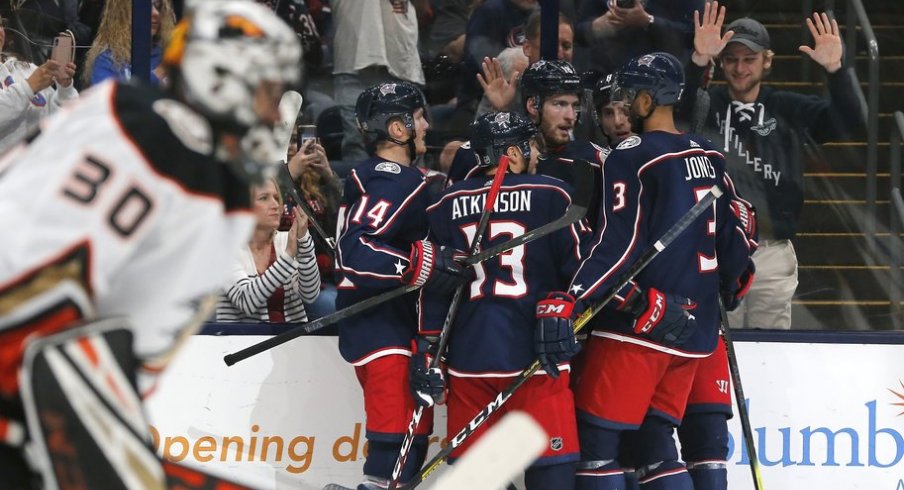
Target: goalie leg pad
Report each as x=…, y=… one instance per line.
x=84, y=418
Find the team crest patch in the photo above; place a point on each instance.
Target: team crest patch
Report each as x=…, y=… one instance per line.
x=388, y=167
x=387, y=88
x=629, y=142
x=191, y=129
x=503, y=119
x=646, y=60
x=556, y=444
x=767, y=127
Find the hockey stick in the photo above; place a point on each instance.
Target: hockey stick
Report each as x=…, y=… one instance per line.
x=583, y=178
x=489, y=202
x=289, y=107
x=735, y=371
x=585, y=318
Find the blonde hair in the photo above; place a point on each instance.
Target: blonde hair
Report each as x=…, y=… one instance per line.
x=115, y=33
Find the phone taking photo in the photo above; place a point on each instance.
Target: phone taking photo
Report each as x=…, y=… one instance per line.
x=307, y=132
x=63, y=48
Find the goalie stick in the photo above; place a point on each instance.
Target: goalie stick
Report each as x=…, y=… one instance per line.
x=583, y=178
x=579, y=324
x=289, y=107
x=740, y=399
x=489, y=202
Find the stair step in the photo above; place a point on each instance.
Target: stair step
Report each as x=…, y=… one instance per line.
x=839, y=249
x=842, y=216
x=846, y=284
x=834, y=185
x=849, y=156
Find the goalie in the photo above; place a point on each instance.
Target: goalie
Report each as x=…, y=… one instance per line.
x=127, y=207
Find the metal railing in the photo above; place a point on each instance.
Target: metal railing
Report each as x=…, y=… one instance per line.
x=897, y=221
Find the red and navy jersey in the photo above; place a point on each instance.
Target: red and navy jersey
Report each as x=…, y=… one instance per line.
x=650, y=182
x=492, y=334
x=556, y=162
x=382, y=213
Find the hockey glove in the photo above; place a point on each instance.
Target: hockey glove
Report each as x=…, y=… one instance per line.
x=435, y=268
x=746, y=215
x=428, y=385
x=554, y=339
x=662, y=318
x=732, y=296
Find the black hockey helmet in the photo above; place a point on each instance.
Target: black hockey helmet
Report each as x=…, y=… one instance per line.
x=381, y=103
x=660, y=74
x=602, y=93
x=545, y=78
x=493, y=133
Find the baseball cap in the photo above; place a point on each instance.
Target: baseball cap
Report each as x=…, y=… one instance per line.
x=750, y=33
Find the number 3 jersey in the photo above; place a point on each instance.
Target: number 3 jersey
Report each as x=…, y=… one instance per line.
x=650, y=182
x=493, y=330
x=114, y=209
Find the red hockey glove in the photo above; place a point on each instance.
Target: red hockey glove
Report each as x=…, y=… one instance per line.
x=428, y=385
x=746, y=214
x=554, y=340
x=435, y=268
x=663, y=318
x=732, y=296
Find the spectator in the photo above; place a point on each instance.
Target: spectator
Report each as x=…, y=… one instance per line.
x=29, y=92
x=110, y=56
x=447, y=34
x=43, y=20
x=618, y=30
x=322, y=191
x=375, y=41
x=762, y=132
x=277, y=273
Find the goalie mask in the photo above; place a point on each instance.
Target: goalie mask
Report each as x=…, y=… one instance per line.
x=493, y=133
x=231, y=61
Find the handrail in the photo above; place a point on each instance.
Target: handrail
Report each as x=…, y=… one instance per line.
x=855, y=7
x=897, y=220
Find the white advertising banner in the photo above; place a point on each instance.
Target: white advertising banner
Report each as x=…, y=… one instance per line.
x=826, y=416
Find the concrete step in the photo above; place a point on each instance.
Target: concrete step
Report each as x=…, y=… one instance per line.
x=840, y=248
x=842, y=216
x=851, y=283
x=841, y=186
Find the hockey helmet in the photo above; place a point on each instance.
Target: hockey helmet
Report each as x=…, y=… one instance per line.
x=220, y=56
x=602, y=93
x=493, y=133
x=381, y=103
x=545, y=78
x=660, y=74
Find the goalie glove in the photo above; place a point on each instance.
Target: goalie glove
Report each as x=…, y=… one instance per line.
x=435, y=268
x=663, y=318
x=428, y=385
x=554, y=340
x=732, y=296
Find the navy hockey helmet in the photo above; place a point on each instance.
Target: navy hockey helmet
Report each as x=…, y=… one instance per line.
x=493, y=133
x=380, y=104
x=660, y=74
x=545, y=78
x=602, y=93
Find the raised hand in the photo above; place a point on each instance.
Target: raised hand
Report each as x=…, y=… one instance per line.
x=499, y=91
x=708, y=38
x=827, y=48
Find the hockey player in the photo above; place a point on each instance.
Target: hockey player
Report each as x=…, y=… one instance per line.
x=128, y=206
x=640, y=362
x=383, y=227
x=491, y=338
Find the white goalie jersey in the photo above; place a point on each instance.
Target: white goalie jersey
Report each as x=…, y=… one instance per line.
x=114, y=209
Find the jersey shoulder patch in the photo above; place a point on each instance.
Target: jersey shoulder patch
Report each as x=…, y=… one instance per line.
x=629, y=142
x=388, y=167
x=187, y=125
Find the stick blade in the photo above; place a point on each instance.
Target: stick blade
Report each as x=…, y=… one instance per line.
x=289, y=106
x=499, y=457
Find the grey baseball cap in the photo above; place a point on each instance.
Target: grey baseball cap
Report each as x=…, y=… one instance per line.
x=750, y=33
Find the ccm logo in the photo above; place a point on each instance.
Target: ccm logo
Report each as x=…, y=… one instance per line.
x=549, y=309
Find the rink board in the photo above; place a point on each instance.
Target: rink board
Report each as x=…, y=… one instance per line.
x=828, y=411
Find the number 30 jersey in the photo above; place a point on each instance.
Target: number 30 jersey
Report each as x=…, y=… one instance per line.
x=115, y=209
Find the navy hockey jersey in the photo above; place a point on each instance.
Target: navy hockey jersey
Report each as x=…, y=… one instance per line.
x=382, y=213
x=464, y=164
x=492, y=334
x=555, y=162
x=650, y=182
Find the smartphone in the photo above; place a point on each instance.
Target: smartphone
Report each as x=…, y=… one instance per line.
x=625, y=4
x=63, y=48
x=288, y=216
x=307, y=132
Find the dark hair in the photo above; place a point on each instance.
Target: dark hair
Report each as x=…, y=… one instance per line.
x=532, y=27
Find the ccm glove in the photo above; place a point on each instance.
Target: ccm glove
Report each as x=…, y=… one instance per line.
x=554, y=339
x=428, y=385
x=732, y=296
x=660, y=317
x=435, y=268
